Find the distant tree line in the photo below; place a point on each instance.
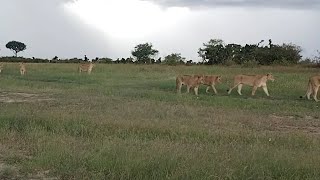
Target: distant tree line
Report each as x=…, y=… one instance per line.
x=214, y=52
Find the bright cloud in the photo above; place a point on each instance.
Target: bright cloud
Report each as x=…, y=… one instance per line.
x=126, y=19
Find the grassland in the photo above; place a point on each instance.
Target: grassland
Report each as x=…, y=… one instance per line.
x=127, y=122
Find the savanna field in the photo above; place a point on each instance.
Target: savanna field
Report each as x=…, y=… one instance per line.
x=127, y=122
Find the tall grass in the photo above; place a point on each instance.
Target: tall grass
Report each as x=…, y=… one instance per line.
x=127, y=122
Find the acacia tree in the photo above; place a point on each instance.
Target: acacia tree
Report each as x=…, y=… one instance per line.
x=144, y=52
x=16, y=46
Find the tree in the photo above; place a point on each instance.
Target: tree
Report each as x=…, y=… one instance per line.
x=159, y=60
x=144, y=52
x=174, y=59
x=233, y=53
x=55, y=58
x=16, y=46
x=129, y=60
x=213, y=52
x=290, y=53
x=260, y=42
x=316, y=58
x=270, y=43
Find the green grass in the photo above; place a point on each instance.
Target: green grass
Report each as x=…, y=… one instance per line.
x=127, y=122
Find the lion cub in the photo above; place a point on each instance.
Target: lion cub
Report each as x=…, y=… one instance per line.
x=210, y=81
x=86, y=68
x=313, y=87
x=23, y=69
x=252, y=80
x=190, y=81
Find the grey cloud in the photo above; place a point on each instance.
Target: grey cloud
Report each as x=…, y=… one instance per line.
x=47, y=30
x=298, y=4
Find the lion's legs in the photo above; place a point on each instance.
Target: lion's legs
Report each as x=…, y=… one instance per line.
x=309, y=94
x=315, y=93
x=22, y=72
x=254, y=89
x=265, y=89
x=196, y=90
x=207, y=90
x=178, y=87
x=309, y=91
x=214, y=89
x=239, y=89
x=188, y=88
x=229, y=91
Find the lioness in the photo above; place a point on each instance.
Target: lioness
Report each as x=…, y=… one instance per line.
x=313, y=87
x=190, y=81
x=210, y=81
x=23, y=69
x=86, y=68
x=252, y=80
x=1, y=67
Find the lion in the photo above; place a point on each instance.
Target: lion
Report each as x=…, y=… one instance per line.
x=211, y=81
x=313, y=87
x=190, y=81
x=1, y=67
x=252, y=80
x=86, y=68
x=23, y=69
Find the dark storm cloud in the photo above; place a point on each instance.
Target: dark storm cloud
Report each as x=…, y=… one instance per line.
x=47, y=30
x=298, y=4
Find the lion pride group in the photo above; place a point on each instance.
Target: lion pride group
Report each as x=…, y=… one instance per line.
x=256, y=81
x=194, y=81
x=83, y=67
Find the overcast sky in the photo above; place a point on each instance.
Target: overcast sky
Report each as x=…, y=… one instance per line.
x=111, y=28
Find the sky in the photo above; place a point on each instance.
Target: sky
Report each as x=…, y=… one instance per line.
x=112, y=28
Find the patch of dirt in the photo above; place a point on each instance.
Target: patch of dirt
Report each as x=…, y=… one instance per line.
x=306, y=124
x=11, y=97
x=13, y=172
x=7, y=171
x=305, y=129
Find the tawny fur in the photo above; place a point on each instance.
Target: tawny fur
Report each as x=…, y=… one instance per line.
x=86, y=68
x=313, y=87
x=191, y=81
x=210, y=81
x=255, y=81
x=1, y=67
x=23, y=69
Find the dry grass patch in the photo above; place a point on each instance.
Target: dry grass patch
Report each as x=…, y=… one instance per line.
x=14, y=97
